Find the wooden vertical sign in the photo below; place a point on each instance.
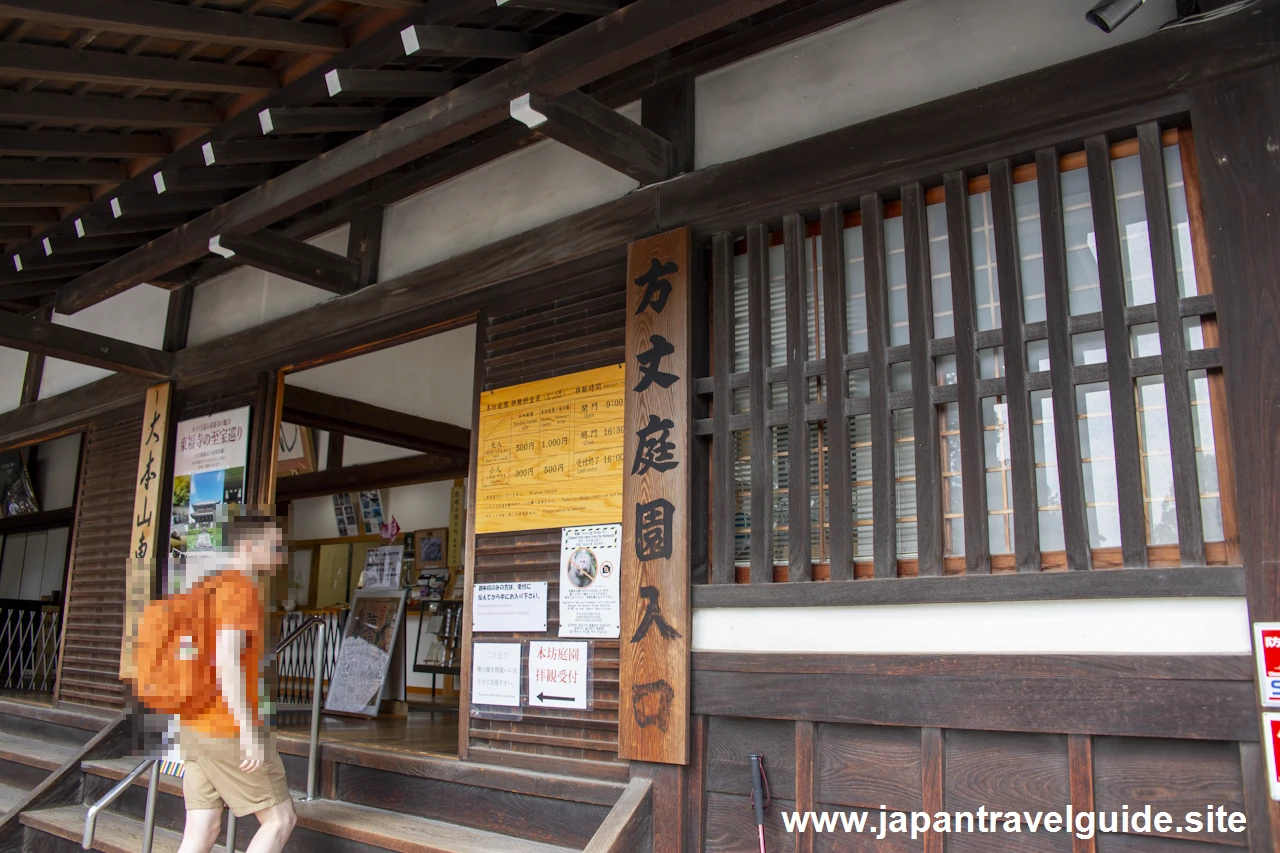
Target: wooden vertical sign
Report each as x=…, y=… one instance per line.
x=654, y=703
x=144, y=549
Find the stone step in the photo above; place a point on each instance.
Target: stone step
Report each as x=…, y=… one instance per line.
x=323, y=827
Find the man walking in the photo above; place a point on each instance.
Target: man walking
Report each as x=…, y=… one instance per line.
x=229, y=758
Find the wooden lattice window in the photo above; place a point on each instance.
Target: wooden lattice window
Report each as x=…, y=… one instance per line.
x=929, y=376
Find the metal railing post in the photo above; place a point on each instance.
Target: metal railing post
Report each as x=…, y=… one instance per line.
x=313, y=756
x=91, y=819
x=231, y=831
x=149, y=817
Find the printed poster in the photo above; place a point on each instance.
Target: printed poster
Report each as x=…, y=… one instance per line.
x=1266, y=648
x=589, y=589
x=509, y=607
x=367, y=645
x=550, y=453
x=495, y=674
x=208, y=479
x=558, y=675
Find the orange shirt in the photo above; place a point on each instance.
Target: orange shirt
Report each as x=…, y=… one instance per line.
x=236, y=605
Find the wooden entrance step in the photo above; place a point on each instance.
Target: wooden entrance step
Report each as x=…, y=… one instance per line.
x=70, y=726
x=323, y=827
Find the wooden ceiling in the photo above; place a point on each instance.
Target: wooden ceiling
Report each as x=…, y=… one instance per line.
x=129, y=128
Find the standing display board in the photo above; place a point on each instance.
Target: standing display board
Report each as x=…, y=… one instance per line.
x=653, y=717
x=141, y=571
x=551, y=453
x=368, y=643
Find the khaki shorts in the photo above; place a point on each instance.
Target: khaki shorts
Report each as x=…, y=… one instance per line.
x=212, y=776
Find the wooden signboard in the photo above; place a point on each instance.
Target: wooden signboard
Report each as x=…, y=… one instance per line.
x=143, y=547
x=551, y=453
x=654, y=712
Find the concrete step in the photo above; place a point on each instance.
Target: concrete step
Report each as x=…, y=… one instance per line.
x=323, y=827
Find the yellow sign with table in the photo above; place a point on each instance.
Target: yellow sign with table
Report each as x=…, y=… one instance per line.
x=551, y=453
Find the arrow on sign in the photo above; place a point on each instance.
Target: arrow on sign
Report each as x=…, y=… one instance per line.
x=544, y=698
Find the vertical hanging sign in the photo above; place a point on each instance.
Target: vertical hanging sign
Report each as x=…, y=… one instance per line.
x=654, y=712
x=145, y=526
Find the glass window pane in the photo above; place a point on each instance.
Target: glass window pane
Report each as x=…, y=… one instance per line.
x=860, y=466
x=780, y=439
x=1089, y=348
x=1157, y=462
x=777, y=349
x=991, y=363
x=1135, y=245
x=742, y=497
x=1192, y=333
x=1145, y=339
x=952, y=482
x=1026, y=199
x=896, y=272
x=904, y=465
x=1206, y=456
x=1048, y=497
x=1098, y=464
x=1180, y=221
x=986, y=279
x=940, y=271
x=855, y=290
x=945, y=366
x=814, y=305
x=995, y=431
x=1037, y=356
x=1082, y=251
x=741, y=339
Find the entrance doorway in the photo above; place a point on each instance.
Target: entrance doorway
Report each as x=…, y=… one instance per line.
x=372, y=458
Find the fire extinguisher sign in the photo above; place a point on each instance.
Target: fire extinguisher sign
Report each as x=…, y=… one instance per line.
x=1271, y=723
x=1266, y=646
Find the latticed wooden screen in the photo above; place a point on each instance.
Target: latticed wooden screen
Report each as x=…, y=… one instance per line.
x=1012, y=368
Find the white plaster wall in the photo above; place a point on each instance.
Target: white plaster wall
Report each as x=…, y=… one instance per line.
x=13, y=369
x=137, y=315
x=531, y=187
x=358, y=451
x=414, y=507
x=54, y=473
x=248, y=297
x=430, y=377
x=1114, y=626
x=906, y=54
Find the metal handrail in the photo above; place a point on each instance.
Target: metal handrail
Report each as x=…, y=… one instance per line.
x=313, y=754
x=149, y=822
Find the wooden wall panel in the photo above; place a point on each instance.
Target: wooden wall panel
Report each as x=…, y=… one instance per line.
x=731, y=739
x=94, y=614
x=868, y=766
x=731, y=825
x=582, y=328
x=1173, y=776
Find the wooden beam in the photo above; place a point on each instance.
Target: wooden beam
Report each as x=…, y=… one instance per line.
x=587, y=54
x=42, y=286
x=51, y=143
x=42, y=196
x=589, y=127
x=114, y=69
x=63, y=342
x=103, y=226
x=35, y=521
x=294, y=259
x=578, y=7
x=667, y=108
x=35, y=364
x=364, y=83
x=14, y=232
x=70, y=411
x=420, y=468
x=629, y=824
x=420, y=40
x=27, y=215
x=36, y=274
x=18, y=172
x=364, y=243
x=245, y=152
x=211, y=178
x=38, y=261
x=280, y=120
x=316, y=409
x=184, y=23
x=105, y=111
x=70, y=244
x=166, y=203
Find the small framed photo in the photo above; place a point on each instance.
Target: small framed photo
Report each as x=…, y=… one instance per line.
x=431, y=547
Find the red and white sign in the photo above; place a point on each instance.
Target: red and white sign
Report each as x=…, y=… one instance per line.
x=1266, y=648
x=1271, y=724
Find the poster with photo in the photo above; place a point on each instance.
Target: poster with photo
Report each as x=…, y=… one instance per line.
x=589, y=589
x=382, y=567
x=344, y=512
x=208, y=479
x=371, y=511
x=432, y=547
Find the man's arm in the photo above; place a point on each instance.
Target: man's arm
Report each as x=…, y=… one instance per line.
x=231, y=682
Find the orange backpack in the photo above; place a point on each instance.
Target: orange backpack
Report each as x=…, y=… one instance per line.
x=175, y=654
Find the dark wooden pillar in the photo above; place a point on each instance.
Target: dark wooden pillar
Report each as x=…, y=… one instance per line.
x=1237, y=128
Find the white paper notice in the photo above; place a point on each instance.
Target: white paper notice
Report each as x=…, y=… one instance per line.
x=508, y=607
x=558, y=675
x=213, y=443
x=495, y=674
x=589, y=560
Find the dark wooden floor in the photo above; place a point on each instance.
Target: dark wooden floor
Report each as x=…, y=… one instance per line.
x=434, y=732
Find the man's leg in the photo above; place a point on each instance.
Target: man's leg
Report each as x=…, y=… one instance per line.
x=201, y=830
x=275, y=825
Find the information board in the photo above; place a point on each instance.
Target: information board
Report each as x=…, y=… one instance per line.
x=509, y=607
x=551, y=453
x=589, y=561
x=495, y=674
